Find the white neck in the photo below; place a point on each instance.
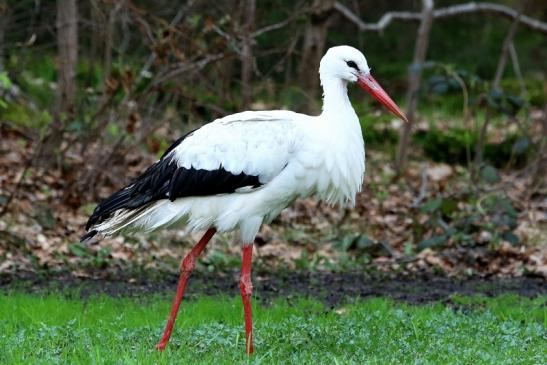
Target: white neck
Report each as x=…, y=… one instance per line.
x=346, y=145
x=335, y=96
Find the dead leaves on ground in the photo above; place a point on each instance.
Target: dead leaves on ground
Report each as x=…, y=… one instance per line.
x=39, y=232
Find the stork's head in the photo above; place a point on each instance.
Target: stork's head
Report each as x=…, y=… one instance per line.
x=350, y=65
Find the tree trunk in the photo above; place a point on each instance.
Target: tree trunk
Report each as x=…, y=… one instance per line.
x=502, y=62
x=539, y=170
x=67, y=43
x=4, y=20
x=67, y=48
x=247, y=60
x=315, y=37
x=108, y=41
x=414, y=81
x=112, y=14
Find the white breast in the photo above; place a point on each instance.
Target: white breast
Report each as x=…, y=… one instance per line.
x=333, y=163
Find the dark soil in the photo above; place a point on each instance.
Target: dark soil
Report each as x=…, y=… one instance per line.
x=333, y=288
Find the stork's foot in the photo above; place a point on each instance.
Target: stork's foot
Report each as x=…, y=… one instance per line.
x=161, y=346
x=246, y=290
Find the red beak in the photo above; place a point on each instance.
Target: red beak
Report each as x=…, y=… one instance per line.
x=371, y=86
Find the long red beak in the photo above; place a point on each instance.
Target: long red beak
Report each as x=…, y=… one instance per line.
x=371, y=86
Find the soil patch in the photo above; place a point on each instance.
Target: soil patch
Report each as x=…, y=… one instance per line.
x=333, y=288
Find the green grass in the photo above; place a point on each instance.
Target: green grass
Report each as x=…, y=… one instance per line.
x=101, y=330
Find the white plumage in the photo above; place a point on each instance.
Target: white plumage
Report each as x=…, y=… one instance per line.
x=293, y=155
x=278, y=148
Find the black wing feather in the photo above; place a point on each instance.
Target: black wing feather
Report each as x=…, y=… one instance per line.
x=165, y=180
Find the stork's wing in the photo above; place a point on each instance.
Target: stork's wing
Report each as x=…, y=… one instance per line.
x=250, y=143
x=238, y=153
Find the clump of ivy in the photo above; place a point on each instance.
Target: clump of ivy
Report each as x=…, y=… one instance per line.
x=493, y=216
x=461, y=144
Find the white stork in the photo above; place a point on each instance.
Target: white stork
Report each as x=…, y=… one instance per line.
x=240, y=171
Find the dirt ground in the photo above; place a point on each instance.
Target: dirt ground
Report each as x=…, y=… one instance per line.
x=334, y=288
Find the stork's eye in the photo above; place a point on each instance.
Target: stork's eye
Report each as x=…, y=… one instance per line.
x=352, y=65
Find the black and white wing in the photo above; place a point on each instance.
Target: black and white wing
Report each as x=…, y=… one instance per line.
x=238, y=153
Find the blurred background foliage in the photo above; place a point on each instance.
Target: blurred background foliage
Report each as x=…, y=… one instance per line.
x=140, y=73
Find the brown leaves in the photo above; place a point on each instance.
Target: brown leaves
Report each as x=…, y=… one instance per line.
x=429, y=257
x=112, y=84
x=280, y=252
x=384, y=229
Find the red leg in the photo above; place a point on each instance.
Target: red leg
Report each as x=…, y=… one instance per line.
x=186, y=267
x=246, y=289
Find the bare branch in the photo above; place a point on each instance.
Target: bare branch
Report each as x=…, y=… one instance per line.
x=271, y=27
x=232, y=40
x=414, y=81
x=516, y=69
x=423, y=188
x=503, y=55
x=281, y=24
x=187, y=67
x=460, y=9
x=384, y=21
x=178, y=17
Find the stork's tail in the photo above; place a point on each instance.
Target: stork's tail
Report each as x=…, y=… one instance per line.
x=119, y=220
x=129, y=205
x=114, y=213
x=88, y=236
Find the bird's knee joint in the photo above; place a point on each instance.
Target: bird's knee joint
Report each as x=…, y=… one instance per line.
x=188, y=264
x=245, y=285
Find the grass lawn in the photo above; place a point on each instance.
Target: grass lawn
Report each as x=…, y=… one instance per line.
x=101, y=330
